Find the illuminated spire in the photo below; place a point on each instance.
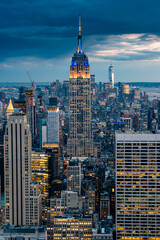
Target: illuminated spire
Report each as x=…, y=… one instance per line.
x=79, y=25
x=10, y=108
x=79, y=38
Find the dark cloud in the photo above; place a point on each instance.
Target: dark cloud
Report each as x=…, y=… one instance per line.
x=26, y=25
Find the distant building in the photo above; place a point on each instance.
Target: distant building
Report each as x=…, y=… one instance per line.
x=137, y=93
x=35, y=204
x=20, y=104
x=151, y=117
x=2, y=155
x=52, y=149
x=104, y=205
x=41, y=175
x=68, y=200
x=127, y=122
x=74, y=177
x=29, y=98
x=53, y=121
x=90, y=194
x=125, y=89
x=22, y=95
x=111, y=76
x=158, y=110
x=102, y=234
x=9, y=232
x=72, y=228
x=31, y=113
x=135, y=122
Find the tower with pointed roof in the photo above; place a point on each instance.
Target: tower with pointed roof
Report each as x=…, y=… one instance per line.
x=10, y=108
x=80, y=136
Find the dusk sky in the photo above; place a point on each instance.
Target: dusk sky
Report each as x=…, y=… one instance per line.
x=40, y=36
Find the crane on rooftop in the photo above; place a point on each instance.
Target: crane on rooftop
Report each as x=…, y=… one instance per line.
x=32, y=82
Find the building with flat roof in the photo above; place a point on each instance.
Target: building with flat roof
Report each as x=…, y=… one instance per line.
x=72, y=228
x=10, y=232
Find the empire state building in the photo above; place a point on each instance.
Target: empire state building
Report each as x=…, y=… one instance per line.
x=80, y=136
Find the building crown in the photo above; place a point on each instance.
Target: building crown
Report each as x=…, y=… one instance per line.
x=10, y=108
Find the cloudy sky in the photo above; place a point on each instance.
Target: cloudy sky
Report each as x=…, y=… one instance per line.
x=40, y=36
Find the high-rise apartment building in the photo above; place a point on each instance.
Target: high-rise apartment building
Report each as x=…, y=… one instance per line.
x=137, y=185
x=17, y=170
x=111, y=76
x=80, y=137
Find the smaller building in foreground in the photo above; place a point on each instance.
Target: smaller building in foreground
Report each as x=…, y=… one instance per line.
x=70, y=227
x=9, y=232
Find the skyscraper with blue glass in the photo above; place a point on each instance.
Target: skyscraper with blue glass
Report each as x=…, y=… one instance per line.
x=80, y=137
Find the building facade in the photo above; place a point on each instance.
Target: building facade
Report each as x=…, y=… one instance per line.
x=72, y=228
x=53, y=121
x=22, y=198
x=137, y=185
x=10, y=232
x=40, y=174
x=74, y=177
x=17, y=170
x=104, y=205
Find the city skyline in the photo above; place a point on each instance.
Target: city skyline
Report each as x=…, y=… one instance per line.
x=40, y=37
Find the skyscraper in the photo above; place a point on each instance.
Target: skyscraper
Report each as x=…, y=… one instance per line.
x=137, y=185
x=17, y=172
x=53, y=121
x=80, y=137
x=22, y=200
x=111, y=76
